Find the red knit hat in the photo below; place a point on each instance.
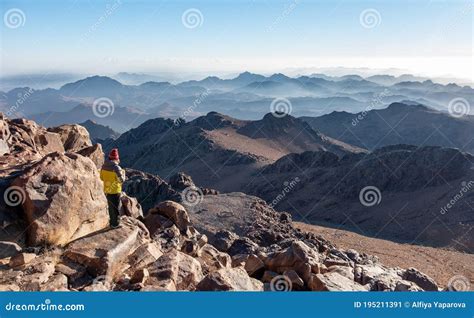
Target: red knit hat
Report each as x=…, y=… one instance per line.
x=114, y=154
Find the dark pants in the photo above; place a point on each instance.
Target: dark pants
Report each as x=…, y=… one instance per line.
x=114, y=201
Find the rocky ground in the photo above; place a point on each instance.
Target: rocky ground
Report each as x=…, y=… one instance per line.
x=55, y=234
x=441, y=264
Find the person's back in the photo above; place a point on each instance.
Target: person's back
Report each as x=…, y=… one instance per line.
x=113, y=176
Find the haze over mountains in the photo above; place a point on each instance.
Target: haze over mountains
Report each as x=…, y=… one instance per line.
x=342, y=134
x=247, y=96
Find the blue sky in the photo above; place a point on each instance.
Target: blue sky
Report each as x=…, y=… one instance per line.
x=149, y=36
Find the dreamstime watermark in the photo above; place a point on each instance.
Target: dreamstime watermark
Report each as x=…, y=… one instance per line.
x=109, y=10
x=192, y=18
x=288, y=186
x=192, y=196
x=286, y=12
x=281, y=283
x=377, y=100
x=370, y=196
x=47, y=305
x=14, y=18
x=190, y=110
x=459, y=283
x=14, y=196
x=22, y=97
x=466, y=186
x=103, y=107
x=459, y=107
x=370, y=18
x=280, y=107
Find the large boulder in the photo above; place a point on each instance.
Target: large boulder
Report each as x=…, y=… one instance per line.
x=183, y=270
x=73, y=137
x=333, y=281
x=212, y=259
x=29, y=141
x=299, y=257
x=144, y=255
x=149, y=189
x=63, y=199
x=229, y=279
x=181, y=181
x=130, y=207
x=172, y=211
x=106, y=252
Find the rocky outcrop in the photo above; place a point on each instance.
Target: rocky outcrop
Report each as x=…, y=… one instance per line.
x=95, y=153
x=73, y=137
x=148, y=189
x=130, y=207
x=172, y=211
x=103, y=253
x=63, y=199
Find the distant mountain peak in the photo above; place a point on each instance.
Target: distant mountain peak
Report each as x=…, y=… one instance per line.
x=93, y=82
x=278, y=76
x=407, y=106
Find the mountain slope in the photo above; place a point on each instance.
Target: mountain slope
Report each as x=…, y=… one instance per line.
x=214, y=147
x=398, y=124
x=97, y=131
x=401, y=193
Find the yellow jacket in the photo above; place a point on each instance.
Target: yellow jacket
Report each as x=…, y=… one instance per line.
x=112, y=176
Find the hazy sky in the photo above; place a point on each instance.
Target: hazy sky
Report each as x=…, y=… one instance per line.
x=425, y=37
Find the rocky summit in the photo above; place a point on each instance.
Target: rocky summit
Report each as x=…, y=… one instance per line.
x=172, y=236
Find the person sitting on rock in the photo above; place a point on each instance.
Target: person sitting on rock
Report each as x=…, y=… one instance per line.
x=113, y=176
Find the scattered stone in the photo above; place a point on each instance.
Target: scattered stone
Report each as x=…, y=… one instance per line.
x=243, y=245
x=21, y=259
x=57, y=282
x=224, y=239
x=181, y=181
x=422, y=280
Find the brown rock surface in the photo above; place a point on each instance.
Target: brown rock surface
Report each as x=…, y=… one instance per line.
x=184, y=270
x=64, y=199
x=229, y=279
x=73, y=137
x=174, y=212
x=95, y=153
x=105, y=252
